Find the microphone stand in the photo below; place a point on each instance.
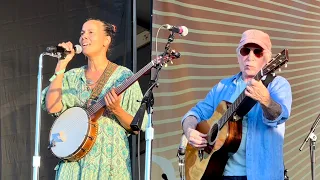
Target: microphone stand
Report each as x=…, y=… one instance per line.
x=313, y=137
x=149, y=135
x=170, y=40
x=181, y=156
x=36, y=158
x=149, y=129
x=147, y=103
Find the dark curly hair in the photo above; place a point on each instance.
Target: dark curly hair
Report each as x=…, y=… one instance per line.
x=109, y=29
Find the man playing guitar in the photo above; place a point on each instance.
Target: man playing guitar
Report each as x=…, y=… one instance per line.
x=260, y=154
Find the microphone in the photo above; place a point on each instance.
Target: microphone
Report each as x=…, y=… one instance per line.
x=58, y=49
x=182, y=30
x=182, y=145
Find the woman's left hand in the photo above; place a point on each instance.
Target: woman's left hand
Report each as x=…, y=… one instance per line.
x=113, y=101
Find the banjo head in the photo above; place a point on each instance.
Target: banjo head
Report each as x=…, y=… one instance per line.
x=68, y=132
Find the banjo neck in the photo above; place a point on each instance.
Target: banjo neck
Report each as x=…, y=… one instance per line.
x=92, y=109
x=160, y=61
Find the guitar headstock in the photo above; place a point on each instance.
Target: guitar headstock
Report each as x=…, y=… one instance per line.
x=275, y=63
x=167, y=57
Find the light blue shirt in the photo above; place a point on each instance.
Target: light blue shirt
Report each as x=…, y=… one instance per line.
x=264, y=141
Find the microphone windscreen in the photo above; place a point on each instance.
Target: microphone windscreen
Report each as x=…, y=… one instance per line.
x=77, y=49
x=184, y=31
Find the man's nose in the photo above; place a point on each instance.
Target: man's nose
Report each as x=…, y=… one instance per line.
x=251, y=56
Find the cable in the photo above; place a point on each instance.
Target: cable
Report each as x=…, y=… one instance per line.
x=157, y=41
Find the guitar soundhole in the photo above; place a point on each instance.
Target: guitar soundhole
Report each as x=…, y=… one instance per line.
x=213, y=134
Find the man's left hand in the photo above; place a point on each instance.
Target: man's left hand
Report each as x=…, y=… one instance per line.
x=257, y=91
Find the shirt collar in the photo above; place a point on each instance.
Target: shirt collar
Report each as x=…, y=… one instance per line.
x=236, y=77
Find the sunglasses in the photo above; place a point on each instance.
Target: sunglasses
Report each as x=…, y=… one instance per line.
x=244, y=51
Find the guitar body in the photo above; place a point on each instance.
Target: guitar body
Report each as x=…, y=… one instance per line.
x=214, y=157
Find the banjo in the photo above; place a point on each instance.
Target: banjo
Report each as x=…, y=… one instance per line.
x=74, y=132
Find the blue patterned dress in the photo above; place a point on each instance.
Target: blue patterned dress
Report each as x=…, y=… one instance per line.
x=109, y=158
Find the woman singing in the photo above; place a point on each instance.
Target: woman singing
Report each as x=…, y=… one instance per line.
x=109, y=157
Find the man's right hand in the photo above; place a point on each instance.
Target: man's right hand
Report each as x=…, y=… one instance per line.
x=196, y=139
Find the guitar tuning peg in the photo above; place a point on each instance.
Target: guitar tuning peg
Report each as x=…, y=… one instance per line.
x=171, y=61
x=263, y=78
x=279, y=69
x=165, y=65
x=286, y=65
x=273, y=74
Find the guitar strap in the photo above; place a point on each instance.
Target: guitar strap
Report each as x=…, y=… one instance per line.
x=111, y=67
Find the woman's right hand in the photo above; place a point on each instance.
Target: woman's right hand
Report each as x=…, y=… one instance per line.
x=68, y=46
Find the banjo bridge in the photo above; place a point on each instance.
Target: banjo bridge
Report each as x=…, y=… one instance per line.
x=52, y=144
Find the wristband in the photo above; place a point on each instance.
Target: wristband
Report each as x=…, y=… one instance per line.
x=57, y=73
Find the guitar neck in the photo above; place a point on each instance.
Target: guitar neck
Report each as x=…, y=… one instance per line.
x=120, y=89
x=241, y=106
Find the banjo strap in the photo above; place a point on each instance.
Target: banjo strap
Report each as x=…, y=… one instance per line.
x=111, y=67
